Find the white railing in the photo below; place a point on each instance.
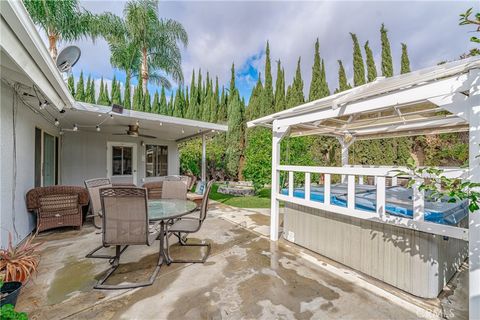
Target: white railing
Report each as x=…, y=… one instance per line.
x=358, y=173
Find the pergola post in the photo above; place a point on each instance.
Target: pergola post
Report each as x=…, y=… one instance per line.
x=278, y=134
x=345, y=145
x=204, y=158
x=474, y=176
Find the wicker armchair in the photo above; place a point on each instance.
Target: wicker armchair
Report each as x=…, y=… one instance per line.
x=57, y=206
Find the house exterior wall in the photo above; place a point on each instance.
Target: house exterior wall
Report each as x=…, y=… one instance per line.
x=17, y=164
x=84, y=156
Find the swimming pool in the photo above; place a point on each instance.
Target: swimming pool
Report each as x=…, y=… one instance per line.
x=398, y=202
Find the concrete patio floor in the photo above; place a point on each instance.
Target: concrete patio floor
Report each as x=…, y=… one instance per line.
x=246, y=277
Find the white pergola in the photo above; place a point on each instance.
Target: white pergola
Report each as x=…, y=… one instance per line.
x=444, y=98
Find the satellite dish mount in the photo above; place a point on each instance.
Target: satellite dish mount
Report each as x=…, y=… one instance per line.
x=67, y=58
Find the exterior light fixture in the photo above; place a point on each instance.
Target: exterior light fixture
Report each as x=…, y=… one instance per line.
x=57, y=123
x=97, y=128
x=75, y=127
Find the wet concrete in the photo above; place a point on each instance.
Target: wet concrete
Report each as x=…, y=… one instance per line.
x=246, y=277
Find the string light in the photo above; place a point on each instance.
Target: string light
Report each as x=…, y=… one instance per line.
x=137, y=123
x=183, y=131
x=161, y=124
x=75, y=128
x=61, y=132
x=57, y=123
x=98, y=128
x=111, y=116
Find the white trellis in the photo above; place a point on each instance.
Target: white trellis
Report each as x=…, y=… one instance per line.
x=440, y=99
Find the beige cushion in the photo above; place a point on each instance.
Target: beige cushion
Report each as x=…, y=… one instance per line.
x=174, y=190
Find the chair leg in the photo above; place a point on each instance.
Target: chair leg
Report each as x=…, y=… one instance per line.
x=115, y=262
x=91, y=254
x=183, y=242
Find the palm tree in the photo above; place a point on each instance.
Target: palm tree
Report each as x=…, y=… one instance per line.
x=66, y=20
x=157, y=41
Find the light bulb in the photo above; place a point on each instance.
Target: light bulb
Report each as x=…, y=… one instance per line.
x=161, y=124
x=75, y=128
x=57, y=123
x=61, y=132
x=183, y=131
x=98, y=128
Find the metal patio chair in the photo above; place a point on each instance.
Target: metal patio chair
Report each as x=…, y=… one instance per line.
x=93, y=186
x=188, y=225
x=125, y=223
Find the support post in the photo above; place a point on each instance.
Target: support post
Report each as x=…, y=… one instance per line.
x=278, y=134
x=204, y=159
x=345, y=145
x=474, y=176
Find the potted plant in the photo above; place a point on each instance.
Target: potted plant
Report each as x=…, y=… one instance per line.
x=17, y=264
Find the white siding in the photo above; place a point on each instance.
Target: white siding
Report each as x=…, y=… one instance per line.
x=13, y=207
x=84, y=156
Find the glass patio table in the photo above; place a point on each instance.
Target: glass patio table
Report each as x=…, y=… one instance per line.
x=164, y=210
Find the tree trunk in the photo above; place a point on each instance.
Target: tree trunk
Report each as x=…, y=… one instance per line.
x=52, y=46
x=144, y=70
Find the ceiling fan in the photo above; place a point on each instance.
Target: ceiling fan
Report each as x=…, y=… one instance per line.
x=132, y=131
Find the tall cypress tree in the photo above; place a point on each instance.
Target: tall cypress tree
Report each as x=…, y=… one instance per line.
x=80, y=92
x=116, y=97
x=405, y=67
x=88, y=89
x=170, y=105
x=324, y=84
x=106, y=95
x=92, y=92
x=156, y=103
x=222, y=109
x=296, y=96
x=268, y=103
x=147, y=107
x=255, y=103
x=342, y=78
x=358, y=66
x=163, y=102
x=280, y=89
x=316, y=85
x=387, y=65
x=127, y=100
x=71, y=84
x=100, y=98
x=371, y=68
x=235, y=133
x=232, y=79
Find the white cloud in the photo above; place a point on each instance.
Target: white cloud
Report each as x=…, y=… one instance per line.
x=223, y=32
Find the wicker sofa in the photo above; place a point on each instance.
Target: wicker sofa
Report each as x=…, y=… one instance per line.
x=57, y=206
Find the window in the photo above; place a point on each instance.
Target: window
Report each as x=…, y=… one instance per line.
x=156, y=160
x=122, y=161
x=46, y=159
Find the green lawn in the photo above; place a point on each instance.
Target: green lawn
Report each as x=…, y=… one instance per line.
x=260, y=200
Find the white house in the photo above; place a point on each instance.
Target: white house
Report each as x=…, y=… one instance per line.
x=48, y=138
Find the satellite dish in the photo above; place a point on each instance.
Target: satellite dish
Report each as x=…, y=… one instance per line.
x=67, y=58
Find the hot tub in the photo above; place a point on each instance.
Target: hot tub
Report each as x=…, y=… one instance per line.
x=417, y=262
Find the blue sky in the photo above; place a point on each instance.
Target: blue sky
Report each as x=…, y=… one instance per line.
x=222, y=32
